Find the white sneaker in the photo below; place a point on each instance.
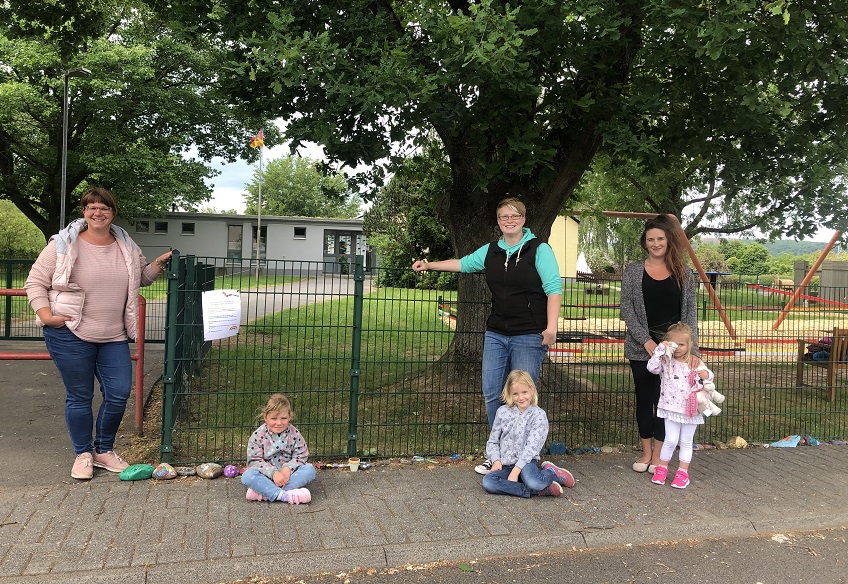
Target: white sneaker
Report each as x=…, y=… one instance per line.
x=483, y=468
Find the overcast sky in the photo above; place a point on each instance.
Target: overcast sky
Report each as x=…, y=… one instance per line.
x=229, y=186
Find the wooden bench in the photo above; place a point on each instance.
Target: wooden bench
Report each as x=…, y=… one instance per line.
x=837, y=359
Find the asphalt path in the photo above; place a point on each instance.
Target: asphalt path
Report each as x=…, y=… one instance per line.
x=780, y=558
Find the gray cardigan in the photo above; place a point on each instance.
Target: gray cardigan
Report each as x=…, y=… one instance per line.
x=633, y=312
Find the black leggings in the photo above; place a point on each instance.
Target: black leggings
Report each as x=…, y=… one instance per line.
x=647, y=396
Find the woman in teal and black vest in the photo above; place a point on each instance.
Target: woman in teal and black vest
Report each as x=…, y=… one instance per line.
x=523, y=277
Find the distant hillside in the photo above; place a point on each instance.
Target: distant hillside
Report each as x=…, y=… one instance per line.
x=776, y=248
x=794, y=247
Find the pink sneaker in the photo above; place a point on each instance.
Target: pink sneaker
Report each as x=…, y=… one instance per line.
x=252, y=495
x=681, y=479
x=563, y=477
x=297, y=496
x=555, y=490
x=110, y=461
x=82, y=468
x=660, y=475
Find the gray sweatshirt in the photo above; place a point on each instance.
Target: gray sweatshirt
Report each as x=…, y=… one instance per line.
x=517, y=437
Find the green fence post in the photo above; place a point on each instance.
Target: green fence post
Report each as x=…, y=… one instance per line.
x=356, y=349
x=172, y=272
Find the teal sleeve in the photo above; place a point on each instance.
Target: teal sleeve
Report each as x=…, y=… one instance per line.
x=475, y=261
x=548, y=269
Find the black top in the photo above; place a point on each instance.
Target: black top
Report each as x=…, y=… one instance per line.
x=662, y=304
x=519, y=303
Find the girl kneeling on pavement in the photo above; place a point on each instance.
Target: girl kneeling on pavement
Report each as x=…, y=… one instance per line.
x=518, y=435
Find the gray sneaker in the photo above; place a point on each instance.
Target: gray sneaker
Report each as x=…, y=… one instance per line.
x=483, y=468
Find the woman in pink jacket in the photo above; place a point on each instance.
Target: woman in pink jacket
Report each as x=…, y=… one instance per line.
x=84, y=290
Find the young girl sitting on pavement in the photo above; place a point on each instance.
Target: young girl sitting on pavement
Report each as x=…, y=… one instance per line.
x=277, y=467
x=673, y=361
x=518, y=435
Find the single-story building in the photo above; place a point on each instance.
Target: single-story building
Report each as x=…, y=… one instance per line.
x=563, y=241
x=233, y=237
x=333, y=241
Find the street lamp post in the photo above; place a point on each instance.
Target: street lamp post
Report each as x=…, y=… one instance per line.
x=74, y=72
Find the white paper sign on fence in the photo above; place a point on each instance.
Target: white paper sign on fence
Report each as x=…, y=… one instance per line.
x=221, y=314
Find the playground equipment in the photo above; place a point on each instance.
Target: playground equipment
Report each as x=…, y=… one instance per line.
x=772, y=290
x=806, y=280
x=695, y=262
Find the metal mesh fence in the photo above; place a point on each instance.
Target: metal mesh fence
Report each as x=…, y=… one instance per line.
x=378, y=371
x=18, y=321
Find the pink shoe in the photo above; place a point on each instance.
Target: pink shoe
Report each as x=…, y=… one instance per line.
x=660, y=475
x=681, y=479
x=555, y=490
x=297, y=496
x=252, y=495
x=82, y=469
x=110, y=461
x=565, y=478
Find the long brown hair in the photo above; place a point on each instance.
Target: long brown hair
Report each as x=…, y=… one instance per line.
x=674, y=257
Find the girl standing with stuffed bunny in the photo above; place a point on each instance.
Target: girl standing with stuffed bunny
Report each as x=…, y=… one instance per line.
x=673, y=361
x=518, y=435
x=277, y=467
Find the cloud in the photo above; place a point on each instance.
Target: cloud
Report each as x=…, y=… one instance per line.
x=230, y=186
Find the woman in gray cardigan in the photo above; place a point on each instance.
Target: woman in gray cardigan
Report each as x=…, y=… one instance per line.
x=655, y=293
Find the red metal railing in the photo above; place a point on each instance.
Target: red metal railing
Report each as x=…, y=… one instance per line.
x=138, y=357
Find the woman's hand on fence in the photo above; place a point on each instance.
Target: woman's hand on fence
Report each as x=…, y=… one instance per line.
x=420, y=266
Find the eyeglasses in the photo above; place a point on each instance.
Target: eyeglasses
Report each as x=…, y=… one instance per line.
x=509, y=217
x=93, y=209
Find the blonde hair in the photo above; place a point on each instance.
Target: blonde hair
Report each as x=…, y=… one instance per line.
x=513, y=204
x=518, y=376
x=276, y=403
x=681, y=328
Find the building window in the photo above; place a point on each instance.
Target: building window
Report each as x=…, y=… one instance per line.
x=188, y=229
x=262, y=241
x=329, y=243
x=234, y=234
x=142, y=227
x=160, y=227
x=300, y=232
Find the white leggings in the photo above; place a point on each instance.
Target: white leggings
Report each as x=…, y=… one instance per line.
x=675, y=433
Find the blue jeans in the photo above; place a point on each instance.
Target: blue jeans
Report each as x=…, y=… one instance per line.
x=252, y=478
x=79, y=363
x=502, y=354
x=531, y=480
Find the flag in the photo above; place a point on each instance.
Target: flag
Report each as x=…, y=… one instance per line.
x=258, y=141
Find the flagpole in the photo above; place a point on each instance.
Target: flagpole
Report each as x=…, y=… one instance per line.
x=259, y=209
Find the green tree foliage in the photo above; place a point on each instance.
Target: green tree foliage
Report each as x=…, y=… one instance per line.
x=745, y=98
x=403, y=225
x=753, y=258
x=731, y=248
x=782, y=264
x=144, y=123
x=296, y=187
x=711, y=258
x=19, y=238
x=736, y=123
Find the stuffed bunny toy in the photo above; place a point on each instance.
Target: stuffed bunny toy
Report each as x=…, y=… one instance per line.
x=706, y=395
